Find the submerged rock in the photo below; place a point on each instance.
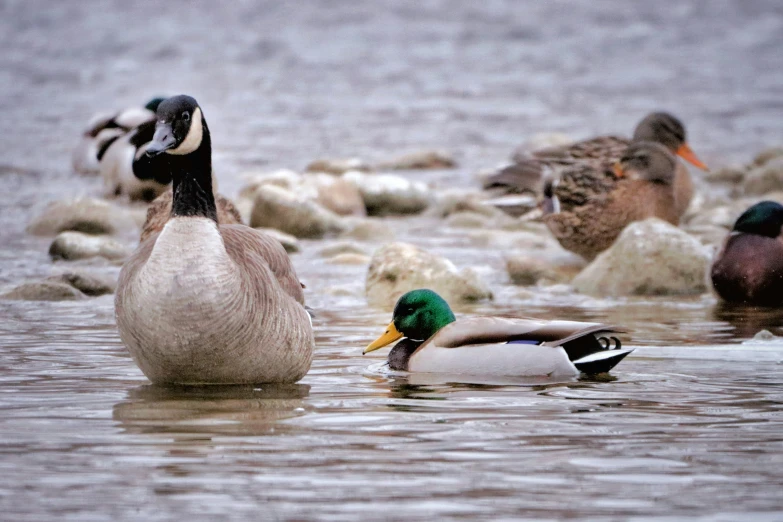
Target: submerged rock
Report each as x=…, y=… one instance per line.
x=649, y=257
x=77, y=245
x=387, y=194
x=289, y=242
x=420, y=160
x=525, y=270
x=88, y=284
x=44, y=291
x=338, y=165
x=369, y=229
x=349, y=258
x=276, y=207
x=343, y=247
x=88, y=215
x=397, y=268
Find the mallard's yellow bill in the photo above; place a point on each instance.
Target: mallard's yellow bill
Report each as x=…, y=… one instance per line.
x=688, y=155
x=389, y=336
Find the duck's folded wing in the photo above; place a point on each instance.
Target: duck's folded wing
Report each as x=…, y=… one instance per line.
x=486, y=330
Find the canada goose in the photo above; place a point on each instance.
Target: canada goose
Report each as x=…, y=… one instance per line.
x=528, y=172
x=434, y=341
x=749, y=267
x=107, y=127
x=587, y=208
x=202, y=303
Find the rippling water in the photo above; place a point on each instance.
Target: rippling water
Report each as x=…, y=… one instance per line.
x=687, y=427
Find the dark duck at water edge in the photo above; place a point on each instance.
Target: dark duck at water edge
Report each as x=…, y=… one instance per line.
x=433, y=340
x=531, y=170
x=749, y=267
x=202, y=302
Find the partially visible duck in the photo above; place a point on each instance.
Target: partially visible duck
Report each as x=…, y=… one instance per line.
x=587, y=208
x=106, y=127
x=435, y=341
x=206, y=303
x=749, y=267
x=529, y=172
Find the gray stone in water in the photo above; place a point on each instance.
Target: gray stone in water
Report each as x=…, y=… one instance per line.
x=278, y=208
x=766, y=155
x=76, y=245
x=397, y=268
x=343, y=247
x=420, y=160
x=87, y=215
x=338, y=165
x=86, y=283
x=765, y=178
x=369, y=229
x=388, y=194
x=528, y=271
x=44, y=291
x=650, y=257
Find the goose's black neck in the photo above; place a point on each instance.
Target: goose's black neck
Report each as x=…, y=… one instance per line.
x=192, y=181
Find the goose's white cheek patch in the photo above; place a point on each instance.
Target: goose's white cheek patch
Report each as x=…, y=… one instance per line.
x=193, y=139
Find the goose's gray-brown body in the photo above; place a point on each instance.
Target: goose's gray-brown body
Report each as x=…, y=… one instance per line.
x=159, y=211
x=203, y=303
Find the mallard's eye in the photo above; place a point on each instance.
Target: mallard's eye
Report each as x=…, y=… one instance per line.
x=409, y=310
x=186, y=116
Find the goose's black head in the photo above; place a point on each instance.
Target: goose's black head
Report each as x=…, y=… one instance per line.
x=762, y=219
x=180, y=127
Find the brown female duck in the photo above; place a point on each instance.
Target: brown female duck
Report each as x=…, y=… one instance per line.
x=527, y=174
x=587, y=207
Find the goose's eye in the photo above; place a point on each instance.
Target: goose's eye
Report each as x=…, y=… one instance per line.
x=186, y=116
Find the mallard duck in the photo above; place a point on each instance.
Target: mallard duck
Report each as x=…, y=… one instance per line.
x=587, y=208
x=159, y=211
x=202, y=303
x=433, y=340
x=529, y=172
x=749, y=267
x=107, y=127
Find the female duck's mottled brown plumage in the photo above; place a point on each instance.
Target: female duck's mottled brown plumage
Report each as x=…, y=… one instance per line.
x=159, y=212
x=591, y=206
x=531, y=171
x=207, y=303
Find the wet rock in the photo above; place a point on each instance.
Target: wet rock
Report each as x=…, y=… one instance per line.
x=468, y=220
x=289, y=242
x=765, y=178
x=88, y=284
x=87, y=215
x=387, y=194
x=276, y=207
x=732, y=174
x=765, y=156
x=368, y=230
x=44, y=291
x=525, y=270
x=349, y=258
x=541, y=140
x=420, y=160
x=71, y=246
x=650, y=257
x=343, y=247
x=708, y=234
x=397, y=268
x=722, y=216
x=452, y=201
x=338, y=165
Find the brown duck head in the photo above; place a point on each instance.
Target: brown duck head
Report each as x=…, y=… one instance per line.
x=663, y=128
x=647, y=161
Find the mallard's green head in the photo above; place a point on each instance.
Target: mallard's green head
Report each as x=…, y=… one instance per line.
x=418, y=315
x=763, y=219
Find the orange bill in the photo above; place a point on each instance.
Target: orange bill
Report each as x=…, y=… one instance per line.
x=389, y=336
x=618, y=170
x=688, y=155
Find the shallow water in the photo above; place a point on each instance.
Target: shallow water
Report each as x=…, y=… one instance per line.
x=687, y=428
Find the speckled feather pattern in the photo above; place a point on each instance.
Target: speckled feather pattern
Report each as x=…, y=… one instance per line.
x=199, y=303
